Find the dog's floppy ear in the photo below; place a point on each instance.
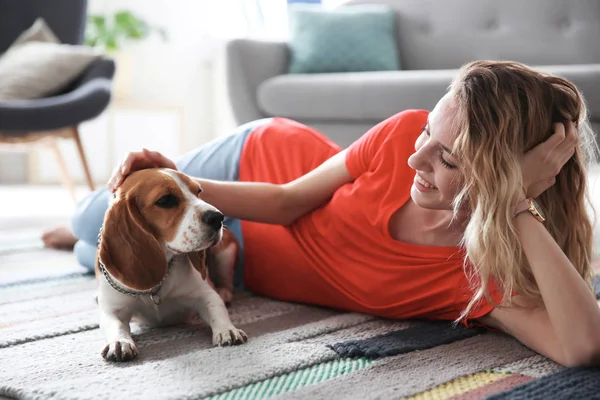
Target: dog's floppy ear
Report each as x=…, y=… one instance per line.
x=128, y=250
x=198, y=260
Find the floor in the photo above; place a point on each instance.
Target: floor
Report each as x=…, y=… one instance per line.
x=26, y=212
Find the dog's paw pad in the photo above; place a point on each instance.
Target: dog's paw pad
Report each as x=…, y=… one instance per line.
x=229, y=337
x=122, y=350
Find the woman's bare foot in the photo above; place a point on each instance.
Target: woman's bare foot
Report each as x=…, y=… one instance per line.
x=59, y=238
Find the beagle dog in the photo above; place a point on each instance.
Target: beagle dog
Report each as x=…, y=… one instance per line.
x=159, y=251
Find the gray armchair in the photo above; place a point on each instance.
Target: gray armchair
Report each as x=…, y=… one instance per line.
x=58, y=116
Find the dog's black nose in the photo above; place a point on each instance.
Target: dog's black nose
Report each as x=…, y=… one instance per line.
x=214, y=219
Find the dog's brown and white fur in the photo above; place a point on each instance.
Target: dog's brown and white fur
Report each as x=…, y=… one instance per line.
x=156, y=218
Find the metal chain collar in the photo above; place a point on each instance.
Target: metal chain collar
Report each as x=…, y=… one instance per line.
x=152, y=292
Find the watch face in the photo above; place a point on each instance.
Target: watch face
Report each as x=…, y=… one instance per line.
x=538, y=209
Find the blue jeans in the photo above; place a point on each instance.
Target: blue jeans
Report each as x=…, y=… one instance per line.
x=216, y=160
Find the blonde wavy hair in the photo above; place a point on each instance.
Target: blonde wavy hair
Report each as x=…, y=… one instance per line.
x=504, y=109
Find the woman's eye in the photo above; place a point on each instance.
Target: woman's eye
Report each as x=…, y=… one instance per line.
x=445, y=163
x=167, y=201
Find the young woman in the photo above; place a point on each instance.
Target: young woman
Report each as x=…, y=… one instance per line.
x=428, y=215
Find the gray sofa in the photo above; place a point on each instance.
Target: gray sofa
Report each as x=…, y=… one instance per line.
x=435, y=37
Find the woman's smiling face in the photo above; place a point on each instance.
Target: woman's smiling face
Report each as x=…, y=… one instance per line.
x=437, y=174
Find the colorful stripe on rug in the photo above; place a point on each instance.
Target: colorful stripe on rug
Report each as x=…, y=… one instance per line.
x=295, y=380
x=420, y=337
x=569, y=383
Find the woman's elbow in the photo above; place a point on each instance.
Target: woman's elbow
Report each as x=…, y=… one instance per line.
x=280, y=210
x=584, y=356
x=288, y=210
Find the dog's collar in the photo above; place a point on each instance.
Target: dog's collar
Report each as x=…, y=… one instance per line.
x=153, y=292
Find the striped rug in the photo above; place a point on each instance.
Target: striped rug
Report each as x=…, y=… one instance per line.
x=50, y=348
x=22, y=253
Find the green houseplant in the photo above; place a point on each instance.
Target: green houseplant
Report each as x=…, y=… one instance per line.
x=110, y=34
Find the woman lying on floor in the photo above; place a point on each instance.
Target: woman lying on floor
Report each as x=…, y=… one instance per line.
x=385, y=226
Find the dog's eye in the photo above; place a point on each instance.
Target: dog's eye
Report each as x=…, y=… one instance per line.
x=167, y=201
x=199, y=191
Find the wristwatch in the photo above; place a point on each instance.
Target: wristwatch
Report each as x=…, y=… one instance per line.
x=529, y=205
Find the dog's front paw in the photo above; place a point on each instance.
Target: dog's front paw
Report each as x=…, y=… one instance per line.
x=230, y=336
x=121, y=350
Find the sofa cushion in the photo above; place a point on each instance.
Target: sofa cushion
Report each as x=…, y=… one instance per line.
x=374, y=96
x=350, y=39
x=356, y=96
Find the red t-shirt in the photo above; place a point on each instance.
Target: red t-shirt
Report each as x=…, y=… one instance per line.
x=342, y=255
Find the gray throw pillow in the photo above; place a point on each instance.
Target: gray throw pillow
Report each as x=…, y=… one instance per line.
x=37, y=65
x=38, y=32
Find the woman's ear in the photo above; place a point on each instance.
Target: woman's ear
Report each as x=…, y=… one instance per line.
x=128, y=250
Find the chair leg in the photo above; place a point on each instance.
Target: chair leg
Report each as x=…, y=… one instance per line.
x=64, y=172
x=86, y=168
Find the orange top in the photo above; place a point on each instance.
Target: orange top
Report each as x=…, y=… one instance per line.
x=342, y=255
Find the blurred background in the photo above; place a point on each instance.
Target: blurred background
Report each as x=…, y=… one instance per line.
x=169, y=87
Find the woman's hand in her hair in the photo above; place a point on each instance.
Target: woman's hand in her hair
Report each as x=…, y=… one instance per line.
x=135, y=161
x=542, y=163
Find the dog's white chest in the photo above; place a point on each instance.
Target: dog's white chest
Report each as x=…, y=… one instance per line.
x=170, y=311
x=181, y=286
x=170, y=303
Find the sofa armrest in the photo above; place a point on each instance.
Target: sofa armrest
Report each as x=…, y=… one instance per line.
x=249, y=63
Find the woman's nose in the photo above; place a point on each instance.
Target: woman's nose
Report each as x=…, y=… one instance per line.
x=419, y=161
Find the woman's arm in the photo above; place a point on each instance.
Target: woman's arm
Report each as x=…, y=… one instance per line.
x=254, y=201
x=278, y=204
x=567, y=329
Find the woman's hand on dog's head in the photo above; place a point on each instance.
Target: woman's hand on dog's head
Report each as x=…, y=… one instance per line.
x=135, y=161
